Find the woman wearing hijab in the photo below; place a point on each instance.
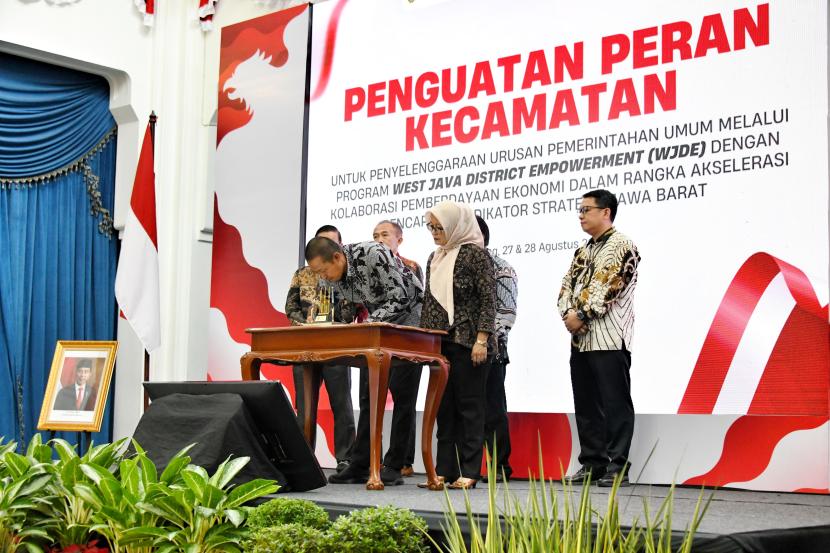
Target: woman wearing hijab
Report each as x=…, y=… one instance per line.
x=460, y=297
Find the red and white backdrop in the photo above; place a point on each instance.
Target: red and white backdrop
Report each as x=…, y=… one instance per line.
x=707, y=120
x=259, y=155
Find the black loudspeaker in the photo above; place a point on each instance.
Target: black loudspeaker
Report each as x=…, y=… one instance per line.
x=253, y=419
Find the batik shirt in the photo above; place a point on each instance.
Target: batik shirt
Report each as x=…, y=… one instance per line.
x=474, y=299
x=375, y=280
x=507, y=292
x=412, y=266
x=600, y=283
x=302, y=294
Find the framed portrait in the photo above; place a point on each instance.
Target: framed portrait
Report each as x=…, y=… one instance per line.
x=79, y=382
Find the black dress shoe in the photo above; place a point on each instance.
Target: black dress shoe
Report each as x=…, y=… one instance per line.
x=391, y=476
x=607, y=480
x=584, y=474
x=502, y=475
x=341, y=466
x=350, y=475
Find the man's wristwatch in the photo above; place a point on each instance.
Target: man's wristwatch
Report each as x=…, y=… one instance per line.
x=581, y=315
x=482, y=342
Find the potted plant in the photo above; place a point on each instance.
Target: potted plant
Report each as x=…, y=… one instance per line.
x=26, y=511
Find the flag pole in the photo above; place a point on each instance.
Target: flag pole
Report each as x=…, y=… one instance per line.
x=153, y=119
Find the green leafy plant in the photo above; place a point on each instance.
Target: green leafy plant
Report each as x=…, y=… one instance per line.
x=288, y=525
x=287, y=511
x=195, y=512
x=73, y=514
x=289, y=538
x=379, y=529
x=26, y=515
x=74, y=503
x=567, y=524
x=118, y=500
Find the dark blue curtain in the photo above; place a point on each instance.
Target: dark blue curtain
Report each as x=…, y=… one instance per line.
x=57, y=247
x=49, y=116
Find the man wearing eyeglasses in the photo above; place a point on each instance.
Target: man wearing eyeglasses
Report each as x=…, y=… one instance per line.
x=405, y=378
x=596, y=305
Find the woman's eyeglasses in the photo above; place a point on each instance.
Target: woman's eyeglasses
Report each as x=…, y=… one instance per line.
x=434, y=228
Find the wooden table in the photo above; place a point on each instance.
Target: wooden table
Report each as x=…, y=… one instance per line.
x=371, y=345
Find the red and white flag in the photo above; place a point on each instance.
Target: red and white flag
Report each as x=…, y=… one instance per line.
x=207, y=8
x=148, y=8
x=137, y=277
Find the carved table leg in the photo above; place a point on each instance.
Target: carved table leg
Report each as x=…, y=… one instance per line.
x=438, y=376
x=250, y=363
x=378, y=363
x=312, y=373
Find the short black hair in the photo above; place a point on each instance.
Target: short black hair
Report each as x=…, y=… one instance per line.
x=395, y=225
x=321, y=247
x=84, y=362
x=329, y=228
x=485, y=230
x=604, y=199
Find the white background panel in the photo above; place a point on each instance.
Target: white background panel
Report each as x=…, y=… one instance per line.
x=690, y=248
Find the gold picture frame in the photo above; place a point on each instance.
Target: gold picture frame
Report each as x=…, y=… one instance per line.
x=79, y=382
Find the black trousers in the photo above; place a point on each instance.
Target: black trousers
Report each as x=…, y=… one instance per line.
x=404, y=380
x=338, y=379
x=603, y=407
x=496, y=428
x=461, y=416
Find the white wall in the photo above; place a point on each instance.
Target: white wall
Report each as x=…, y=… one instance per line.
x=171, y=69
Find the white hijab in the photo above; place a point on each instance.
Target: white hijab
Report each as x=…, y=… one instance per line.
x=460, y=227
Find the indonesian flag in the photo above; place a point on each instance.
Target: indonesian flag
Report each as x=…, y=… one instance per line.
x=207, y=8
x=137, y=278
x=148, y=8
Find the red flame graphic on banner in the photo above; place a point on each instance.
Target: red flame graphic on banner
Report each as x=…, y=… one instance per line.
x=239, y=42
x=240, y=292
x=535, y=433
x=748, y=447
x=796, y=378
x=328, y=50
x=795, y=381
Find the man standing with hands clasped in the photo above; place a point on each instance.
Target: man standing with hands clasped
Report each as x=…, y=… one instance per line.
x=596, y=305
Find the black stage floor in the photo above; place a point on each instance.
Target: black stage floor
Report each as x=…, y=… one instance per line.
x=736, y=520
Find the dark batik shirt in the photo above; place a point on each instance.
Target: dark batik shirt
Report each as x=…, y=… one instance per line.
x=375, y=280
x=474, y=299
x=412, y=266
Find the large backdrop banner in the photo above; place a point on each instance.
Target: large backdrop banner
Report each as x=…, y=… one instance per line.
x=259, y=165
x=707, y=120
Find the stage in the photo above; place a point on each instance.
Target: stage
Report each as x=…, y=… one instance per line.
x=736, y=520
